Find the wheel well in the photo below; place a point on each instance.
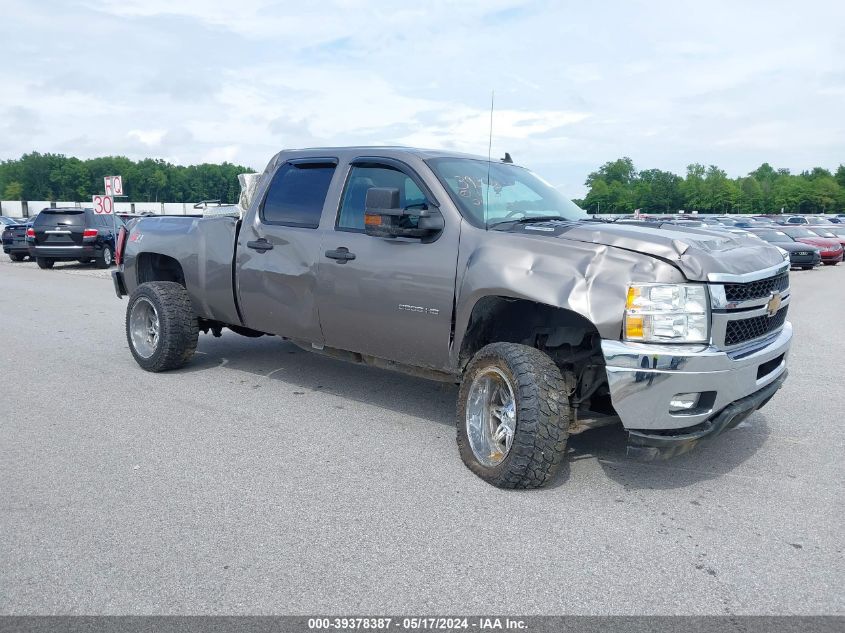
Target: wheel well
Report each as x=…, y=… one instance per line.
x=158, y=267
x=570, y=339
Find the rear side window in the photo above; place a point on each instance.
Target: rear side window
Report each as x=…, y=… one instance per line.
x=65, y=217
x=297, y=194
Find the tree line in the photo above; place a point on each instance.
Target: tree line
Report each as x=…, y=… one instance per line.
x=617, y=187
x=56, y=177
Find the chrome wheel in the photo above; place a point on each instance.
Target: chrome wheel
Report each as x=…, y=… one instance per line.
x=144, y=327
x=490, y=416
x=107, y=257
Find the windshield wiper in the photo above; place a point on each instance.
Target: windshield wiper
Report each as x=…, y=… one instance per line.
x=533, y=218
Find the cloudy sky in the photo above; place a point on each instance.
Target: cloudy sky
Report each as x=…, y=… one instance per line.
x=576, y=83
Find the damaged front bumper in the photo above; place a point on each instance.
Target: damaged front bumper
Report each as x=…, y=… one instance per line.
x=644, y=379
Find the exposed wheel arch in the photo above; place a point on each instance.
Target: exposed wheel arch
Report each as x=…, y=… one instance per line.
x=158, y=267
x=510, y=320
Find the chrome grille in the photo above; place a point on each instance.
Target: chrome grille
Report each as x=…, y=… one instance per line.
x=757, y=289
x=742, y=330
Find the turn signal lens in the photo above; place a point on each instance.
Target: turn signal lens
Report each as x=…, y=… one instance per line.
x=372, y=220
x=634, y=327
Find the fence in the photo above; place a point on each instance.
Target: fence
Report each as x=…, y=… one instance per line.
x=29, y=208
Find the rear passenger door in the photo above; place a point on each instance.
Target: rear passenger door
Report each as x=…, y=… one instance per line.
x=277, y=250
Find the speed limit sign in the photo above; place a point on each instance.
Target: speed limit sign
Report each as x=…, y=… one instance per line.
x=103, y=205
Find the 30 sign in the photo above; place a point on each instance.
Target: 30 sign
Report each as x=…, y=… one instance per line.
x=113, y=185
x=103, y=205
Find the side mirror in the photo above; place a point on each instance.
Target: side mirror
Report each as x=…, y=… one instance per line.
x=384, y=217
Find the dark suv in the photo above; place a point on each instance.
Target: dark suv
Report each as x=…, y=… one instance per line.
x=71, y=233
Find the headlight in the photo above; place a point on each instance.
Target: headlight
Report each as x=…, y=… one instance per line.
x=672, y=313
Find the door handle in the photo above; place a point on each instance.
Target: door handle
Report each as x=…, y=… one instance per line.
x=342, y=255
x=260, y=245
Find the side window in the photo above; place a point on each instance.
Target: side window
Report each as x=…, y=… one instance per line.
x=297, y=194
x=361, y=179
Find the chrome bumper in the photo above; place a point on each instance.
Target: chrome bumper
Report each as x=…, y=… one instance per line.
x=643, y=379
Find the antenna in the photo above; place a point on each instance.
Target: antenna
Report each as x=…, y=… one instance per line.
x=489, y=157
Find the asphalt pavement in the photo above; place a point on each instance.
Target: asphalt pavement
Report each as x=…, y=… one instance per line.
x=264, y=479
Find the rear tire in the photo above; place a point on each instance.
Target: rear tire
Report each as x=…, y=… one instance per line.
x=806, y=268
x=176, y=329
x=106, y=257
x=537, y=419
x=43, y=262
x=17, y=257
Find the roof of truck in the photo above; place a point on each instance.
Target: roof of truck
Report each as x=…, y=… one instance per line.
x=385, y=150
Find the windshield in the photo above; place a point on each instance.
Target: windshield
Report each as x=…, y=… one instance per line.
x=822, y=232
x=774, y=236
x=795, y=232
x=512, y=193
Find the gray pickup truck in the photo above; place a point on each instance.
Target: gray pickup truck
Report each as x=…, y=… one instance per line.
x=478, y=272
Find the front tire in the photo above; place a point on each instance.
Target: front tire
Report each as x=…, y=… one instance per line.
x=513, y=416
x=161, y=327
x=45, y=263
x=105, y=258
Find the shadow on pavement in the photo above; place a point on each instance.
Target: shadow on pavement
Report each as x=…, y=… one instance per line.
x=270, y=357
x=707, y=460
x=279, y=360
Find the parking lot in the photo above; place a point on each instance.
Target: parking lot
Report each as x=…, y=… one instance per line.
x=264, y=479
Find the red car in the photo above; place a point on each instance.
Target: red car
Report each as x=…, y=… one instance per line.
x=830, y=247
x=825, y=232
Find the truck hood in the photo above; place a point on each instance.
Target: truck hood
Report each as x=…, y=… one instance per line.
x=696, y=252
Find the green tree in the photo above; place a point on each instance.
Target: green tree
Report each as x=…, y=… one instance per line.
x=13, y=191
x=621, y=170
x=598, y=197
x=749, y=195
x=695, y=197
x=824, y=192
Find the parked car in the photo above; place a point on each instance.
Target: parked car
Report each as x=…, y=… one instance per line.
x=552, y=324
x=826, y=232
x=695, y=224
x=795, y=219
x=838, y=231
x=14, y=241
x=800, y=255
x=831, y=249
x=7, y=221
x=66, y=234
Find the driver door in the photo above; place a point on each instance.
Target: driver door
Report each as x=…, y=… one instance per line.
x=394, y=299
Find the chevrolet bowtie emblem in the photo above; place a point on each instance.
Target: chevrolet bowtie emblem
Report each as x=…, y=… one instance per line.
x=773, y=305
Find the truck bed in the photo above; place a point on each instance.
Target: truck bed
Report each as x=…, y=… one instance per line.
x=205, y=249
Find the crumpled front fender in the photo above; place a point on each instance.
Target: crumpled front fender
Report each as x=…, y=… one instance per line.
x=588, y=279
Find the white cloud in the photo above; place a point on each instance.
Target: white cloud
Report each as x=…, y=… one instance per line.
x=150, y=138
